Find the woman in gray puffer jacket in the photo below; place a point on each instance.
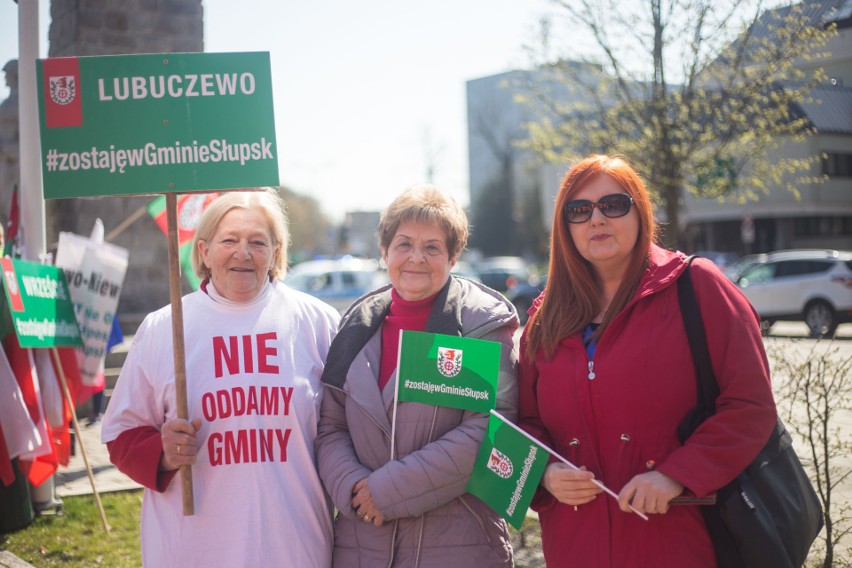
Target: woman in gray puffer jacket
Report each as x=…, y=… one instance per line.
x=412, y=510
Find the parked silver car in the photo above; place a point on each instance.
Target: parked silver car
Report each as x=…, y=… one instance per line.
x=337, y=282
x=813, y=286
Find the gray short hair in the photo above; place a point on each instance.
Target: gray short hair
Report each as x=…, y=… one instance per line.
x=426, y=204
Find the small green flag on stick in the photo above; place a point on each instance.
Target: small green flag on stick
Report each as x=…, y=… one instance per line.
x=508, y=469
x=446, y=370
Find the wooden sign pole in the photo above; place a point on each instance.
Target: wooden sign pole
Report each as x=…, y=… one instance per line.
x=67, y=394
x=177, y=342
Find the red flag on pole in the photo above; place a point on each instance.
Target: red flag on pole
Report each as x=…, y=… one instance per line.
x=12, y=225
x=7, y=473
x=190, y=207
x=43, y=462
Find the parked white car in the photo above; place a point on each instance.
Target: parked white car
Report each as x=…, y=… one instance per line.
x=337, y=282
x=813, y=286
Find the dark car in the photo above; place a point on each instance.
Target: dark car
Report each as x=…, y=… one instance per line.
x=502, y=272
x=523, y=294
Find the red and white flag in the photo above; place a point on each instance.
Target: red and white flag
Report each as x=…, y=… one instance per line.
x=40, y=463
x=20, y=433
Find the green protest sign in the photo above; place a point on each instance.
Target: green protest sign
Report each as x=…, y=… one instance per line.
x=508, y=469
x=446, y=370
x=131, y=124
x=39, y=303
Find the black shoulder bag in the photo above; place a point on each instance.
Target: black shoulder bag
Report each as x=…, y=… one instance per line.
x=770, y=515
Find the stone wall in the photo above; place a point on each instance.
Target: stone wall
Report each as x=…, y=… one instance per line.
x=113, y=27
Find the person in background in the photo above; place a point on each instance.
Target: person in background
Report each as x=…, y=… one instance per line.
x=255, y=350
x=407, y=506
x=606, y=377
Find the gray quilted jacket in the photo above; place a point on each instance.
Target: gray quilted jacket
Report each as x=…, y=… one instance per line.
x=430, y=520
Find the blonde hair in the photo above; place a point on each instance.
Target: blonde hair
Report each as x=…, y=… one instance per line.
x=268, y=202
x=426, y=204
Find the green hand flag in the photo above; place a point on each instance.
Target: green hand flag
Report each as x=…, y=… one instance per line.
x=508, y=469
x=447, y=370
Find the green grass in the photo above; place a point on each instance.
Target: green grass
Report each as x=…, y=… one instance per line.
x=76, y=537
x=526, y=544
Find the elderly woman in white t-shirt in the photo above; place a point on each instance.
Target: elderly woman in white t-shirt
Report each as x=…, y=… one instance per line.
x=255, y=350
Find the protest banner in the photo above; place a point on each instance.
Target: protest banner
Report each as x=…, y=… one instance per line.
x=95, y=273
x=158, y=123
x=508, y=469
x=40, y=305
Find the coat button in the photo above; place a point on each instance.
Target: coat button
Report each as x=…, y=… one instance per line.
x=574, y=442
x=625, y=437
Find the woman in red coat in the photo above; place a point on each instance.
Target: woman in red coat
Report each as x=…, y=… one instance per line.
x=607, y=376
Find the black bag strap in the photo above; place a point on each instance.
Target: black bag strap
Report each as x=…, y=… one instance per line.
x=708, y=388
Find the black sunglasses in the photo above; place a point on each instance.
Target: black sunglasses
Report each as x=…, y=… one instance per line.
x=613, y=205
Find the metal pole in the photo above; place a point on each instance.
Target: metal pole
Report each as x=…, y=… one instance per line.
x=30, y=194
x=32, y=200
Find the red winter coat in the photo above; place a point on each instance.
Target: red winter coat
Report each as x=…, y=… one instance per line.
x=624, y=421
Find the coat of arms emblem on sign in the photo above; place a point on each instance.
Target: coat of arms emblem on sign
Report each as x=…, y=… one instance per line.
x=449, y=361
x=500, y=464
x=63, y=89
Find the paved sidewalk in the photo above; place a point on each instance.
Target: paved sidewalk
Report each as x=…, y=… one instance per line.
x=9, y=560
x=73, y=480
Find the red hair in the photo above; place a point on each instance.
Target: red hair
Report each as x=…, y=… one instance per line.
x=572, y=298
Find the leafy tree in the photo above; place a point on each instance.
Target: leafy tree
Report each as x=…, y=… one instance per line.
x=697, y=94
x=308, y=225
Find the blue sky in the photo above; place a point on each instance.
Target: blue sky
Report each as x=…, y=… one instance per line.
x=364, y=91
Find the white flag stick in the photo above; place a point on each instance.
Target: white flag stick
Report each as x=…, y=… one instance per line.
x=566, y=462
x=396, y=395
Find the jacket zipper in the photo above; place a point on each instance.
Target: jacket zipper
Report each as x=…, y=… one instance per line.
x=420, y=541
x=475, y=516
x=373, y=420
x=393, y=543
x=419, y=547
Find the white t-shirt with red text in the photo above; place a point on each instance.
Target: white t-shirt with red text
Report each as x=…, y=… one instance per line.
x=253, y=378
